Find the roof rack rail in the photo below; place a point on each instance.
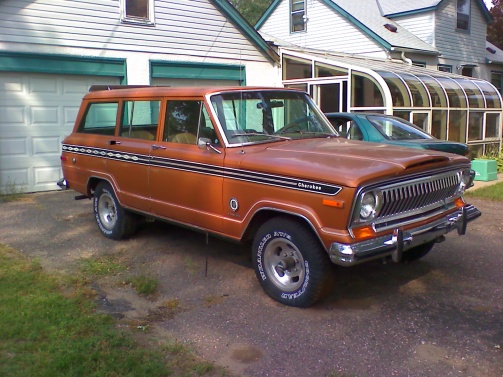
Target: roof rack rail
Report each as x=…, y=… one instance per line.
x=95, y=88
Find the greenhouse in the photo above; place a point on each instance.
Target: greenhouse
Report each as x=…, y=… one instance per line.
x=446, y=105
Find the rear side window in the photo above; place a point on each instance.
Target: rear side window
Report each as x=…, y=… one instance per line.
x=99, y=119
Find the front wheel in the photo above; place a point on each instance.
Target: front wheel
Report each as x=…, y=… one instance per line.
x=290, y=263
x=113, y=220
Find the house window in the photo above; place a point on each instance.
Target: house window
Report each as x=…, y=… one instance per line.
x=298, y=15
x=419, y=64
x=467, y=71
x=445, y=68
x=463, y=15
x=497, y=80
x=137, y=11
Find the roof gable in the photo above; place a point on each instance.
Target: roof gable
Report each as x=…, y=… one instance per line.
x=251, y=34
x=395, y=8
x=366, y=16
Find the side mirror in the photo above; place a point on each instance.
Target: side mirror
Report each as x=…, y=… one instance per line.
x=206, y=144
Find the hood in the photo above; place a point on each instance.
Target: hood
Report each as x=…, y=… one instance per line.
x=343, y=162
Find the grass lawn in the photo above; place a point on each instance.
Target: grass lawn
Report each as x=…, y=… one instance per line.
x=491, y=192
x=49, y=327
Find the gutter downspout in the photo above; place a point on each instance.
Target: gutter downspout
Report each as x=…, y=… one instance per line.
x=406, y=59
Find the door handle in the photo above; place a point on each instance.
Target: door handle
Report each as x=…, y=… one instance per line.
x=155, y=147
x=114, y=142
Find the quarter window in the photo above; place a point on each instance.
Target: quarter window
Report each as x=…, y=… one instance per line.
x=298, y=15
x=463, y=15
x=137, y=11
x=100, y=119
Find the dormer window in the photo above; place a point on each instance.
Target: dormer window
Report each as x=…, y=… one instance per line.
x=298, y=15
x=137, y=11
x=463, y=15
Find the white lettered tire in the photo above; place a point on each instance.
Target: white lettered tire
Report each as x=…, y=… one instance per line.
x=113, y=220
x=290, y=263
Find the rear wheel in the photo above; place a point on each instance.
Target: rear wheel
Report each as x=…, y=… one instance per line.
x=417, y=252
x=290, y=263
x=113, y=220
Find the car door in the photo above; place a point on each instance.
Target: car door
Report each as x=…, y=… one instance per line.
x=129, y=152
x=185, y=180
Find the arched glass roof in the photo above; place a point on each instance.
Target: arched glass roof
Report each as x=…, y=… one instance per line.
x=447, y=105
x=408, y=82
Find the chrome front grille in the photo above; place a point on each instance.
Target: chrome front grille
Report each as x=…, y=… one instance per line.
x=421, y=194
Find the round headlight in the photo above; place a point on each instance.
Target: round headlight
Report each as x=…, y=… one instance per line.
x=466, y=180
x=368, y=206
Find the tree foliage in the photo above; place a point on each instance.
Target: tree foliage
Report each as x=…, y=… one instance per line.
x=251, y=10
x=495, y=29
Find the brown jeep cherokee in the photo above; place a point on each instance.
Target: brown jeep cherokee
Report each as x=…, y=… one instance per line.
x=261, y=165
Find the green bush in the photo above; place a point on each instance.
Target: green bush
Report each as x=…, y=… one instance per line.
x=495, y=156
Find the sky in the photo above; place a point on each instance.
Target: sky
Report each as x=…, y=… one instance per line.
x=489, y=4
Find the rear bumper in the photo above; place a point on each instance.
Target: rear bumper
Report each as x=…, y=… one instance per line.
x=401, y=241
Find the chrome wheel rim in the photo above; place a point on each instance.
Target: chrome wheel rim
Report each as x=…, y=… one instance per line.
x=284, y=265
x=107, y=211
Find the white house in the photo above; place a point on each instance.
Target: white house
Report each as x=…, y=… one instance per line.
x=423, y=60
x=51, y=51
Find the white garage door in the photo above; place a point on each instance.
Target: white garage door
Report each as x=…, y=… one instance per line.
x=193, y=82
x=36, y=112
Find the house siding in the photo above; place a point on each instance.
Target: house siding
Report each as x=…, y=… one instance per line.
x=197, y=30
x=326, y=30
x=421, y=25
x=456, y=45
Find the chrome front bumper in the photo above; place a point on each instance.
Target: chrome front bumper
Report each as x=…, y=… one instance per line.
x=400, y=241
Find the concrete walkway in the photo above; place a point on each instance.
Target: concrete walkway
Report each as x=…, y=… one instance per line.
x=479, y=184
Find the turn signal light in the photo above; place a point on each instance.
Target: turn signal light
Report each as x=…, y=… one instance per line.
x=364, y=232
x=333, y=203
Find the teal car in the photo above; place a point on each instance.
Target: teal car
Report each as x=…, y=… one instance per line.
x=379, y=128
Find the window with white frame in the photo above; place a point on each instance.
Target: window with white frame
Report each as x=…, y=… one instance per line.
x=463, y=15
x=137, y=11
x=298, y=15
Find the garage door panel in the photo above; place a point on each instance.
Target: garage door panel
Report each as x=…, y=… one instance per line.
x=11, y=84
x=45, y=178
x=14, y=179
x=13, y=116
x=41, y=85
x=38, y=111
x=76, y=86
x=47, y=115
x=46, y=145
x=13, y=146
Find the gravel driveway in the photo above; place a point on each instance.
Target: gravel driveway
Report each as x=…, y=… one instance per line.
x=441, y=316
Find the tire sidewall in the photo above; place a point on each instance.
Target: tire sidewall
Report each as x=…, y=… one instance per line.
x=306, y=294
x=106, y=189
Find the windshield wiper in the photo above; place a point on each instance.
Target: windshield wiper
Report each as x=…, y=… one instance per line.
x=261, y=134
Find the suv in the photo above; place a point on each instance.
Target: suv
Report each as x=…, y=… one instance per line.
x=262, y=165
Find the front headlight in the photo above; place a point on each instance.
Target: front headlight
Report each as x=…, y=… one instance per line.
x=466, y=180
x=370, y=204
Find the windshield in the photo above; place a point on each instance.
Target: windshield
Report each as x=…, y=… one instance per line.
x=397, y=129
x=258, y=116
